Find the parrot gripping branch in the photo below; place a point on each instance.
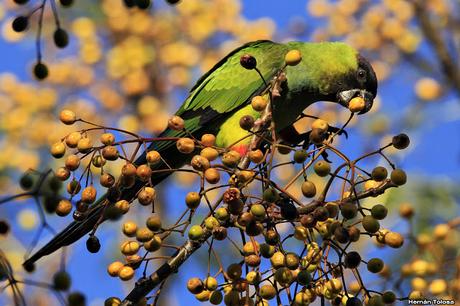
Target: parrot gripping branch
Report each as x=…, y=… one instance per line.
x=146, y=285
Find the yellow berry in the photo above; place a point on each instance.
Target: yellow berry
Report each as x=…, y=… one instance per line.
x=267, y=292
x=212, y=175
x=438, y=286
x=107, y=180
x=203, y=296
x=199, y=163
x=143, y=234
x=73, y=187
x=114, y=268
x=356, y=104
x=428, y=89
x=256, y=156
x=146, y=196
x=251, y=248
x=277, y=260
x=122, y=206
x=154, y=244
x=88, y=194
x=293, y=57
x=57, y=149
x=153, y=157
x=110, y=153
x=72, y=139
x=209, y=153
x=62, y=173
x=259, y=103
x=441, y=231
x=126, y=273
x=320, y=124
x=72, y=162
x=67, y=117
x=128, y=170
x=64, y=208
x=210, y=283
x=231, y=158
x=208, y=140
x=129, y=228
x=107, y=139
x=98, y=161
x=84, y=145
x=176, y=123
x=308, y=189
x=129, y=247
x=394, y=240
x=144, y=172
x=185, y=145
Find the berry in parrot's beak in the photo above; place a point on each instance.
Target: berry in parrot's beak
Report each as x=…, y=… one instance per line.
x=344, y=98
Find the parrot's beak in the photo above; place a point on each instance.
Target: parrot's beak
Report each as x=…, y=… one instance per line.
x=344, y=98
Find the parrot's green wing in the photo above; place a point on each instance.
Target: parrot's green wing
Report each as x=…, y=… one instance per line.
x=225, y=88
x=228, y=86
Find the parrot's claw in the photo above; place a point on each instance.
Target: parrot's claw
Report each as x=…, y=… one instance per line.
x=339, y=131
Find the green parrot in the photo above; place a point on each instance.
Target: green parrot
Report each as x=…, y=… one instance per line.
x=328, y=71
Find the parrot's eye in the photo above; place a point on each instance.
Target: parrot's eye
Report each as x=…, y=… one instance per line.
x=361, y=74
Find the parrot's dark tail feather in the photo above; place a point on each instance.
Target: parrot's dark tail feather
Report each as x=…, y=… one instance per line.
x=69, y=235
x=78, y=229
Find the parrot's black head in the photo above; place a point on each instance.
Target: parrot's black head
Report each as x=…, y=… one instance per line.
x=360, y=82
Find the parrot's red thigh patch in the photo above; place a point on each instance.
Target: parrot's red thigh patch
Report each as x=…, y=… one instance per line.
x=241, y=148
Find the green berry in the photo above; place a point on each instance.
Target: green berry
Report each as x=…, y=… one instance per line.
x=20, y=23
x=375, y=265
x=195, y=233
x=308, y=189
x=270, y=195
x=216, y=297
x=379, y=173
x=370, y=224
x=154, y=223
x=76, y=299
x=40, y=71
x=400, y=141
x=300, y=156
x=388, y=297
x=375, y=300
x=258, y=211
x=62, y=281
x=322, y=168
x=398, y=177
x=267, y=292
x=27, y=181
x=192, y=199
x=234, y=271
x=291, y=260
x=352, y=260
x=379, y=212
x=304, y=277
x=284, y=276
x=61, y=38
x=349, y=210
